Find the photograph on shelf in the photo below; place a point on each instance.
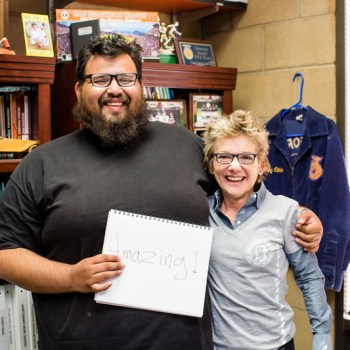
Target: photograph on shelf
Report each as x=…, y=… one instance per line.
x=203, y=109
x=168, y=111
x=141, y=26
x=37, y=35
x=194, y=52
x=199, y=131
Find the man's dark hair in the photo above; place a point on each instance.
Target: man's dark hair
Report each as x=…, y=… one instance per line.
x=111, y=45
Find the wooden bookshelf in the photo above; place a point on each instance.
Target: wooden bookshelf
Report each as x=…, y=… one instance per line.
x=182, y=11
x=192, y=78
x=164, y=6
x=33, y=71
x=184, y=78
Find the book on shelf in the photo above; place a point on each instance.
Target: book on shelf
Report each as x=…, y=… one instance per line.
x=142, y=26
x=81, y=32
x=14, y=88
x=2, y=186
x=15, y=112
x=18, y=324
x=158, y=93
x=10, y=323
x=21, y=317
x=4, y=333
x=37, y=35
x=27, y=119
x=2, y=117
x=16, y=148
x=32, y=326
x=7, y=115
x=16, y=125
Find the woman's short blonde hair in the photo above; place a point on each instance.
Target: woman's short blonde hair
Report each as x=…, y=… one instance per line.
x=237, y=123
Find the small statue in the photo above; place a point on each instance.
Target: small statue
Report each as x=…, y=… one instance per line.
x=167, y=35
x=163, y=37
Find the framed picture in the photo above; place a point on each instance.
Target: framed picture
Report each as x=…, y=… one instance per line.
x=37, y=35
x=194, y=52
x=168, y=111
x=203, y=109
x=199, y=131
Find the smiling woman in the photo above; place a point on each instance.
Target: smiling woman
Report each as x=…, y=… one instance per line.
x=253, y=247
x=236, y=173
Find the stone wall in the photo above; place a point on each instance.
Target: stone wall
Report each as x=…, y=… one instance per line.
x=269, y=43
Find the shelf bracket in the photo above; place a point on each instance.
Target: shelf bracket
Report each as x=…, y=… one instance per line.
x=186, y=18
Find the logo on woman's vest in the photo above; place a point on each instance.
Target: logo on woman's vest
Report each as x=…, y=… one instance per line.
x=316, y=170
x=259, y=252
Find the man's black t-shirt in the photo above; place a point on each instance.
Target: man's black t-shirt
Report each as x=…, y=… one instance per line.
x=56, y=204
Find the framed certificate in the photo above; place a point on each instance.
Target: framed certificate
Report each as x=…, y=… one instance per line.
x=194, y=52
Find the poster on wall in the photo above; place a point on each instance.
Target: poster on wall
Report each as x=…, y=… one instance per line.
x=141, y=26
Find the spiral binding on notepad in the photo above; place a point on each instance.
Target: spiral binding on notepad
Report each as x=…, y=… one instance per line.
x=170, y=221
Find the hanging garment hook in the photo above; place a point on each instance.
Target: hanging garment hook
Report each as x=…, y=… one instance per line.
x=298, y=104
x=298, y=74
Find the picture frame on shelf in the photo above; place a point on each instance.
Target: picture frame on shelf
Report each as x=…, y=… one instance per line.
x=37, y=35
x=199, y=131
x=194, y=52
x=204, y=108
x=168, y=111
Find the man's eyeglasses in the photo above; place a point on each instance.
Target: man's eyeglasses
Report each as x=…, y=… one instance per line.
x=104, y=80
x=227, y=158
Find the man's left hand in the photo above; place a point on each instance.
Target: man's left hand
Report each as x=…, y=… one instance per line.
x=309, y=231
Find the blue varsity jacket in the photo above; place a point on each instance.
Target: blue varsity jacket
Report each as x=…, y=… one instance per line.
x=309, y=167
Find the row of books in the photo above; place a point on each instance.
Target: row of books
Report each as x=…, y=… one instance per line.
x=18, y=325
x=15, y=112
x=8, y=156
x=158, y=93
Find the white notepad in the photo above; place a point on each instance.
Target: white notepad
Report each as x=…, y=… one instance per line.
x=166, y=263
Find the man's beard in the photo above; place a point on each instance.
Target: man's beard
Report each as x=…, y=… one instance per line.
x=114, y=131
